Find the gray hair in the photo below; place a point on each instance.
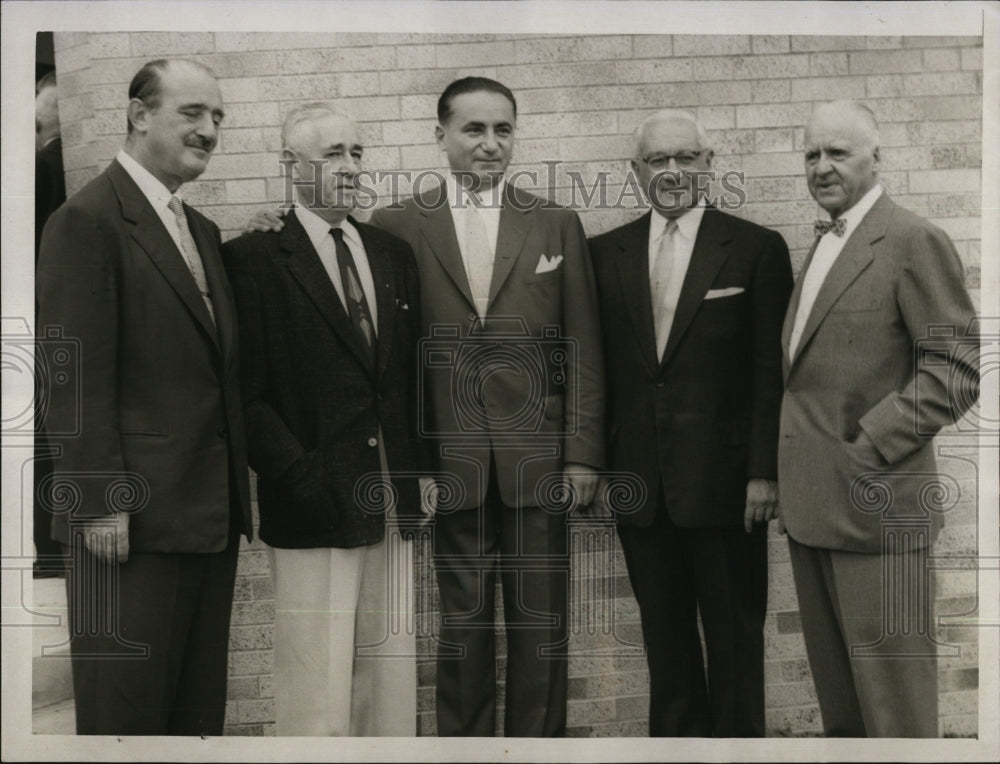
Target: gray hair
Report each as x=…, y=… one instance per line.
x=866, y=115
x=668, y=115
x=307, y=113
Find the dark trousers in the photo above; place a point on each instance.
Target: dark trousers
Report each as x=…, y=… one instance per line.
x=721, y=573
x=48, y=551
x=869, y=642
x=150, y=642
x=530, y=548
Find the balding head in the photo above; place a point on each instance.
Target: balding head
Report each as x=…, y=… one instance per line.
x=676, y=117
x=841, y=155
x=46, y=114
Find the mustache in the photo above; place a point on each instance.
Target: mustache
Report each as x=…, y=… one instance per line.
x=197, y=142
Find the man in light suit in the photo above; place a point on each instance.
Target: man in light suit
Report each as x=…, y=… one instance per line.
x=863, y=399
x=153, y=423
x=692, y=301
x=508, y=291
x=329, y=322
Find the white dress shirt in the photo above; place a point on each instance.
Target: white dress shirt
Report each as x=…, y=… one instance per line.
x=157, y=194
x=319, y=234
x=489, y=210
x=684, y=238
x=827, y=251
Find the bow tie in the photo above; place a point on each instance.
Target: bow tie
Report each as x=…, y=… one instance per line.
x=825, y=226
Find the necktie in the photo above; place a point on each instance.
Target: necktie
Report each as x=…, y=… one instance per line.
x=190, y=252
x=666, y=287
x=357, y=305
x=838, y=227
x=479, y=256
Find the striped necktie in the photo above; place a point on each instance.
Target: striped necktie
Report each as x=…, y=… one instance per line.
x=190, y=252
x=357, y=305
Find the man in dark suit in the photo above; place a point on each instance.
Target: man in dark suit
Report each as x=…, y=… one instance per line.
x=515, y=412
x=329, y=321
x=50, y=192
x=50, y=183
x=691, y=305
x=875, y=363
x=152, y=465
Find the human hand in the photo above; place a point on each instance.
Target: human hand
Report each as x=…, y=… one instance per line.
x=582, y=482
x=108, y=544
x=266, y=221
x=762, y=502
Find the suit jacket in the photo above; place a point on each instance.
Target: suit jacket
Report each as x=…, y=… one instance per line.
x=313, y=403
x=865, y=361
x=703, y=420
x=527, y=384
x=50, y=186
x=153, y=385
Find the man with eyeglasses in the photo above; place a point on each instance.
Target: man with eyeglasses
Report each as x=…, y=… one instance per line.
x=692, y=301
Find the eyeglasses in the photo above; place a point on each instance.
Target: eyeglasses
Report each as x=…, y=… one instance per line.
x=683, y=159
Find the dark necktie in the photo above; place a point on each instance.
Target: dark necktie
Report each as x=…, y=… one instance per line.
x=838, y=227
x=357, y=305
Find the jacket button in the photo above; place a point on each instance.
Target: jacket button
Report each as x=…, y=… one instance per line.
x=373, y=442
x=661, y=384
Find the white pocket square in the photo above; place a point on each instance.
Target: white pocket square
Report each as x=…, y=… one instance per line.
x=712, y=294
x=547, y=264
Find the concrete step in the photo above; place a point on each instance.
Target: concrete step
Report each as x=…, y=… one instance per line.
x=58, y=719
x=51, y=673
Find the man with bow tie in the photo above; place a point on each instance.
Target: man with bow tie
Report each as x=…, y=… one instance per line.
x=862, y=402
x=328, y=316
x=691, y=305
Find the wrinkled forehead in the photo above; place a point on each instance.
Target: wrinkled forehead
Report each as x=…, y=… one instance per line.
x=323, y=132
x=669, y=134
x=828, y=128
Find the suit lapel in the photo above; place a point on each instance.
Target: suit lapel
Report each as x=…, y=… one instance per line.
x=307, y=269
x=152, y=236
x=793, y=305
x=439, y=231
x=514, y=227
x=385, y=297
x=218, y=286
x=711, y=249
x=852, y=260
x=632, y=266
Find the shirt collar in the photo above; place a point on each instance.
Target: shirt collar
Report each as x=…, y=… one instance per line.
x=318, y=229
x=151, y=187
x=856, y=214
x=458, y=200
x=687, y=223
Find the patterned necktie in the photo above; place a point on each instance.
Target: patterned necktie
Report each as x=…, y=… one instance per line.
x=822, y=227
x=357, y=305
x=189, y=250
x=665, y=288
x=480, y=257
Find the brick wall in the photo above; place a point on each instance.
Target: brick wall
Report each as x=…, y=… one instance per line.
x=579, y=98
